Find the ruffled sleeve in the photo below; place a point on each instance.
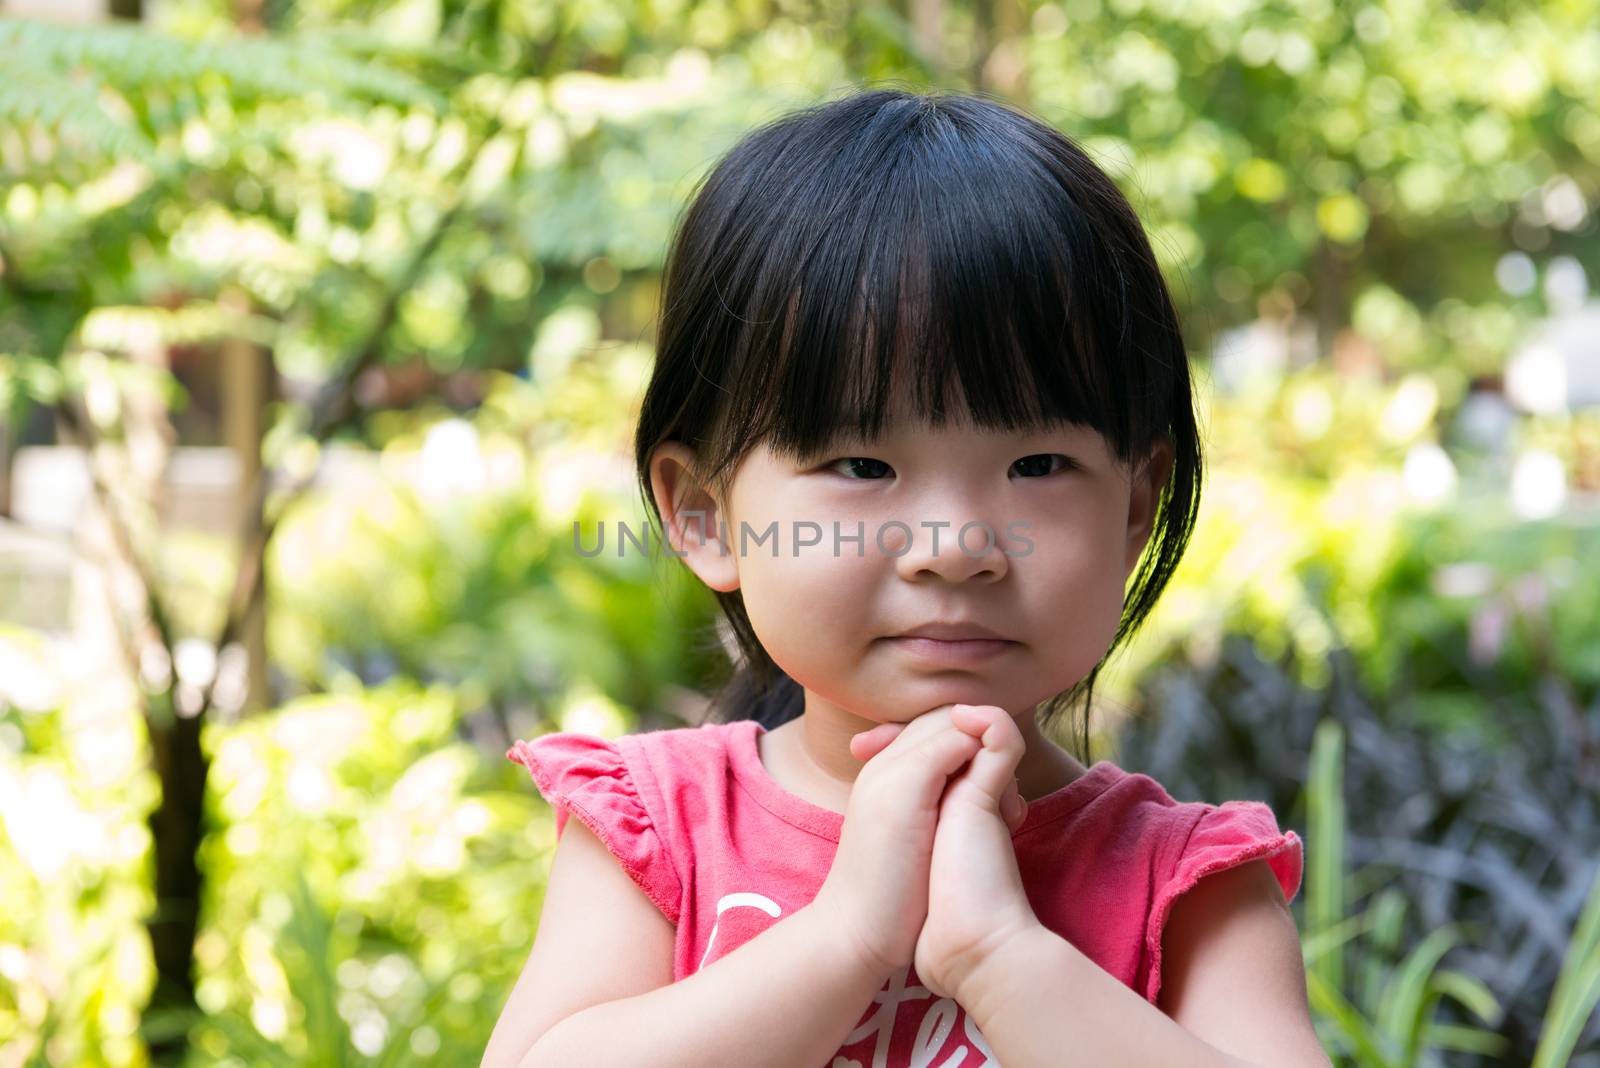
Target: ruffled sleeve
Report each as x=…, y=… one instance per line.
x=1223, y=836
x=588, y=776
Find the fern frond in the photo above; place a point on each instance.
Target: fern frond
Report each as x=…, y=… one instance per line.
x=360, y=41
x=130, y=58
x=71, y=106
x=91, y=87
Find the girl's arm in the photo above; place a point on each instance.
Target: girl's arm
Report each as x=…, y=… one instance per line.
x=597, y=988
x=1234, y=996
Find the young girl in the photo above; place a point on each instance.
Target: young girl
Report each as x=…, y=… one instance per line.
x=921, y=409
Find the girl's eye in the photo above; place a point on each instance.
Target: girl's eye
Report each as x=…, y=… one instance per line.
x=864, y=468
x=1042, y=464
x=856, y=467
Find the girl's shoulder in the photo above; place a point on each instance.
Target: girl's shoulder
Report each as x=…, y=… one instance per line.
x=626, y=758
x=622, y=790
x=1143, y=801
x=1181, y=842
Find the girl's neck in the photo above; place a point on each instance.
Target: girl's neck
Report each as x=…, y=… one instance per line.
x=810, y=757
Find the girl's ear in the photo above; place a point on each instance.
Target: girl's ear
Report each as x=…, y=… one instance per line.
x=693, y=518
x=1149, y=478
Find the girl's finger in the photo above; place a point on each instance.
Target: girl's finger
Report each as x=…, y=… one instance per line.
x=1013, y=807
x=995, y=764
x=870, y=743
x=968, y=721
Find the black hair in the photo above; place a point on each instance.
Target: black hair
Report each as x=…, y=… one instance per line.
x=946, y=237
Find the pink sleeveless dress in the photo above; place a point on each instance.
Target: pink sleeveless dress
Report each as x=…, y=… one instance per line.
x=725, y=852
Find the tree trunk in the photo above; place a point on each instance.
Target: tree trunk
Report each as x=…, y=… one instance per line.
x=1002, y=65
x=1331, y=301
x=250, y=16
x=8, y=438
x=246, y=389
x=927, y=31
x=176, y=830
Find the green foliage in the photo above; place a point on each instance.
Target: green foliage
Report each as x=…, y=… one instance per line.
x=469, y=571
x=74, y=960
x=89, y=82
x=446, y=191
x=1312, y=148
x=1471, y=775
x=370, y=881
x=1393, y=1025
x=1577, y=991
x=1313, y=536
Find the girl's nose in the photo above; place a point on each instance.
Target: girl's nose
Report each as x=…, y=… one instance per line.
x=954, y=551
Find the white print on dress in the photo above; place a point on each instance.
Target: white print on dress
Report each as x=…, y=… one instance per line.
x=937, y=1021
x=729, y=901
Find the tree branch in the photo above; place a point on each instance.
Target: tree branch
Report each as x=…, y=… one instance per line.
x=332, y=409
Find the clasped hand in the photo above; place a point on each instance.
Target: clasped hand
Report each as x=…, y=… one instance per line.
x=976, y=901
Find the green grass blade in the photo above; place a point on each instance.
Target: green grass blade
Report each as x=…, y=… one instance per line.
x=1577, y=988
x=398, y=1050
x=1566, y=1017
x=1315, y=945
x=1406, y=999
x=1464, y=1039
x=245, y=1042
x=1470, y=991
x=1351, y=1025
x=1325, y=821
x=312, y=978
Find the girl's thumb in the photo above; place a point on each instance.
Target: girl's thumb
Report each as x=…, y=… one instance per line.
x=869, y=743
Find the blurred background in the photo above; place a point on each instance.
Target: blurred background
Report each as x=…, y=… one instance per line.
x=323, y=322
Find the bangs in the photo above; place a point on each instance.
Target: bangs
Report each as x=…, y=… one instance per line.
x=962, y=280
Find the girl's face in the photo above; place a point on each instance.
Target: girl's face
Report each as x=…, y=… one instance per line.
x=1065, y=527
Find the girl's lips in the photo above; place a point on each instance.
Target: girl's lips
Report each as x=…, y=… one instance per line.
x=942, y=651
